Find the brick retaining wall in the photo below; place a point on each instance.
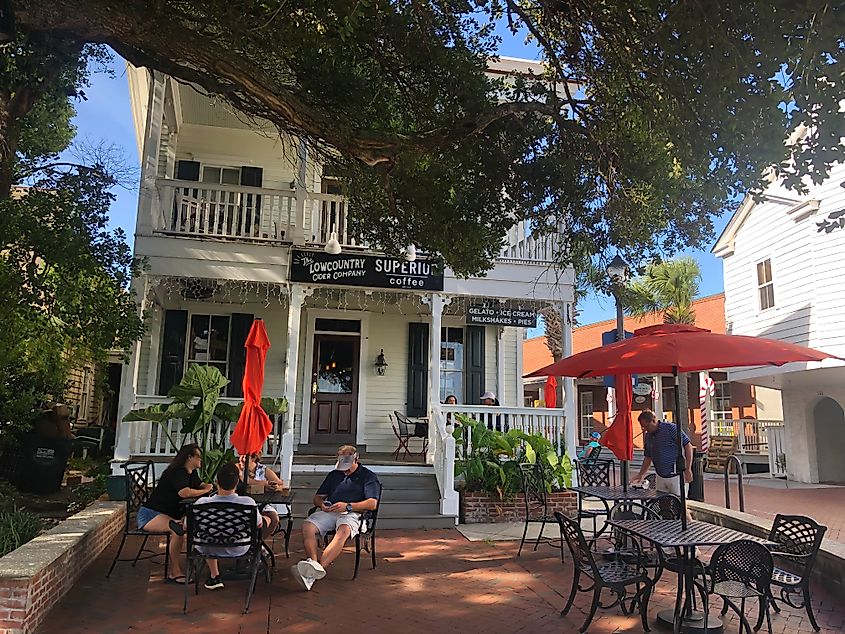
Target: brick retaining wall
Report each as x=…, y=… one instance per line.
x=37, y=575
x=481, y=508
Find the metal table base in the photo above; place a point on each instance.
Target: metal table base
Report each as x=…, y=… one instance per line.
x=693, y=623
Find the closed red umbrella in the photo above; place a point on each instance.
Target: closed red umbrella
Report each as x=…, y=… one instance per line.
x=619, y=438
x=254, y=426
x=550, y=392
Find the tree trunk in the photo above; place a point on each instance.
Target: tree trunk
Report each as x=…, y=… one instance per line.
x=683, y=397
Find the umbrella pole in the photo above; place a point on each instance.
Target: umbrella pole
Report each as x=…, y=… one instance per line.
x=680, y=457
x=625, y=476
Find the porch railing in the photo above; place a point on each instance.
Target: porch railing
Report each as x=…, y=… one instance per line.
x=776, y=435
x=442, y=456
x=154, y=440
x=532, y=420
x=752, y=434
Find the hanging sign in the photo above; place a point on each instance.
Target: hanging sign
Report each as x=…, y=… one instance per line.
x=501, y=315
x=642, y=389
x=358, y=269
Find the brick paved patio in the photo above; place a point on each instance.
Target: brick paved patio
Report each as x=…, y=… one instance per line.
x=427, y=581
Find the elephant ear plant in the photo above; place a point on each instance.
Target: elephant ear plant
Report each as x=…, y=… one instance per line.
x=205, y=420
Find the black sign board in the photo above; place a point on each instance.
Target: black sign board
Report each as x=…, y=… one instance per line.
x=501, y=315
x=358, y=269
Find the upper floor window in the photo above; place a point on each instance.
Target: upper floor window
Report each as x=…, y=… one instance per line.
x=765, y=284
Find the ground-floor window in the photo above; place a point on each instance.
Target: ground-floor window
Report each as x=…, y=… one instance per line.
x=452, y=363
x=208, y=341
x=722, y=409
x=586, y=411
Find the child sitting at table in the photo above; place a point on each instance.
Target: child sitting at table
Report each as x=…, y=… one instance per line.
x=227, y=481
x=259, y=473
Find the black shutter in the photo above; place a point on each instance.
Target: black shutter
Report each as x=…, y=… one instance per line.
x=474, y=371
x=252, y=177
x=188, y=170
x=241, y=323
x=171, y=365
x=417, y=404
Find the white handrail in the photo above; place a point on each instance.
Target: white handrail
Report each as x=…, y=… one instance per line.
x=443, y=459
x=548, y=422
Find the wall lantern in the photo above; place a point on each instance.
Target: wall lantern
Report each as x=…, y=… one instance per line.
x=381, y=364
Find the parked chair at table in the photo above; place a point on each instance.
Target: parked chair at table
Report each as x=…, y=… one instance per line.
x=666, y=507
x=535, y=502
x=592, y=474
x=615, y=576
x=799, y=539
x=224, y=530
x=742, y=570
x=138, y=477
x=405, y=430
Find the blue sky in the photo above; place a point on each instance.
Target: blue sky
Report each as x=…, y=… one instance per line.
x=106, y=115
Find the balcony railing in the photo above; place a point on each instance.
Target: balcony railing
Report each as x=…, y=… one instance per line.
x=752, y=434
x=207, y=210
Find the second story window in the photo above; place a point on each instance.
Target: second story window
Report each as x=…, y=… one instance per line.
x=765, y=284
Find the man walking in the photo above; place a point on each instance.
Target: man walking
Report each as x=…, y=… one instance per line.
x=346, y=492
x=660, y=443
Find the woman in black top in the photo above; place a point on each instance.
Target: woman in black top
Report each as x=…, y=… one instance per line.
x=164, y=510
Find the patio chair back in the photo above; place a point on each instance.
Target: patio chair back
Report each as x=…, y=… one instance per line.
x=595, y=473
x=798, y=536
x=223, y=524
x=628, y=510
x=594, y=455
x=666, y=507
x=582, y=556
x=139, y=478
x=743, y=561
x=534, y=488
x=410, y=428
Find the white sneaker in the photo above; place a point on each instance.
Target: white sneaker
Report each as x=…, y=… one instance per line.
x=311, y=568
x=304, y=582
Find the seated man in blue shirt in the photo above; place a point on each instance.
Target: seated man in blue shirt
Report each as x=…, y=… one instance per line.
x=346, y=492
x=660, y=447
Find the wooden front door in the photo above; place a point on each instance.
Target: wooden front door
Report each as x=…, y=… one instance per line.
x=334, y=389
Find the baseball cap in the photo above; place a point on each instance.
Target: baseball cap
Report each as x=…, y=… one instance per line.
x=489, y=395
x=595, y=435
x=345, y=461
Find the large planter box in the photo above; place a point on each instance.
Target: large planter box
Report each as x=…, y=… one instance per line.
x=482, y=508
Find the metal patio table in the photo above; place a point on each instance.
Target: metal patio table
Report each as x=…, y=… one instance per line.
x=617, y=494
x=670, y=534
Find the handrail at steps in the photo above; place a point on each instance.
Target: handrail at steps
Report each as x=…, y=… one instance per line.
x=442, y=456
x=738, y=466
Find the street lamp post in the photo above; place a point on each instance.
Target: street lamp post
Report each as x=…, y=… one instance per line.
x=618, y=272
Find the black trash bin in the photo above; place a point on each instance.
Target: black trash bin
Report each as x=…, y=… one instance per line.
x=45, y=460
x=696, y=487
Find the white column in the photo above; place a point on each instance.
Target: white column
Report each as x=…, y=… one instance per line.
x=149, y=205
x=296, y=300
x=438, y=303
x=520, y=382
x=128, y=387
x=500, y=366
x=570, y=394
x=658, y=401
x=155, y=326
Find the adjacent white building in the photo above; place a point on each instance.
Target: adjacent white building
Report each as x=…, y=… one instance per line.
x=784, y=270
x=233, y=221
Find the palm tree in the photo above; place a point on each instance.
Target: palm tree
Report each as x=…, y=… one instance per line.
x=669, y=288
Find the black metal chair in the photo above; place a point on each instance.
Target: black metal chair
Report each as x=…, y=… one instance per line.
x=535, y=502
x=615, y=576
x=405, y=430
x=665, y=507
x=799, y=539
x=366, y=537
x=286, y=531
x=594, y=473
x=139, y=478
x=223, y=525
x=742, y=570
x=651, y=478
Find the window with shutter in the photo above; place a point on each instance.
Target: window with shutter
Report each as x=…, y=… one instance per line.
x=241, y=323
x=417, y=404
x=474, y=385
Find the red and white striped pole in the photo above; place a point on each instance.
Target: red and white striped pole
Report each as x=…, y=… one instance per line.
x=707, y=387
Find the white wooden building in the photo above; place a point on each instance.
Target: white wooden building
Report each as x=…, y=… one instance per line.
x=233, y=221
x=785, y=279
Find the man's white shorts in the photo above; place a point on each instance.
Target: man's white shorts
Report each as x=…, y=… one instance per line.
x=670, y=485
x=326, y=522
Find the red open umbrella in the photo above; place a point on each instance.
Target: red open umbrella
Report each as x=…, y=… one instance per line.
x=674, y=348
x=550, y=392
x=253, y=425
x=619, y=438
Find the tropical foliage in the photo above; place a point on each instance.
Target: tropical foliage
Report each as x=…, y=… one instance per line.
x=646, y=120
x=667, y=287
x=205, y=420
x=489, y=460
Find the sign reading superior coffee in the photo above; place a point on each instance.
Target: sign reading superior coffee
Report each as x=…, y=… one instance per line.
x=501, y=315
x=355, y=269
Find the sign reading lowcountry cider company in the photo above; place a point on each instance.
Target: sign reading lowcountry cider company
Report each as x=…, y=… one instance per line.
x=501, y=315
x=358, y=269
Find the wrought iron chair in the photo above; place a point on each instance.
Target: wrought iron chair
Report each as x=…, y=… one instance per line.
x=405, y=430
x=223, y=525
x=593, y=474
x=651, y=478
x=286, y=531
x=139, y=477
x=742, y=570
x=799, y=539
x=615, y=576
x=366, y=537
x=535, y=502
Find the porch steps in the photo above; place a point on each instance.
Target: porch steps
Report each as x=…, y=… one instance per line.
x=409, y=500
